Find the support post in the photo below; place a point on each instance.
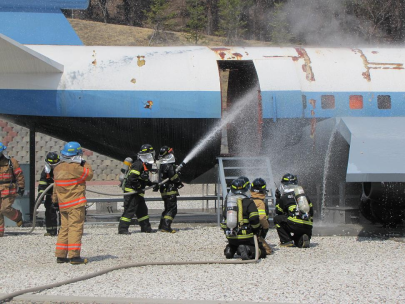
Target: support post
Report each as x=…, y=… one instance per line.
x=32, y=172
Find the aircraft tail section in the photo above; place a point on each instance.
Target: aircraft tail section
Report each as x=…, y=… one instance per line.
x=16, y=58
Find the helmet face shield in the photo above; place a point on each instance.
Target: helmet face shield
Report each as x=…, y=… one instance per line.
x=167, y=159
x=147, y=157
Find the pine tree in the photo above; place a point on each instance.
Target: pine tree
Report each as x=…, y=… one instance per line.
x=197, y=21
x=159, y=18
x=231, y=24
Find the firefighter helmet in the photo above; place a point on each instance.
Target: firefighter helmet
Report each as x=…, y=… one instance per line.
x=289, y=179
x=239, y=186
x=2, y=148
x=72, y=148
x=246, y=180
x=147, y=153
x=52, y=158
x=259, y=185
x=165, y=150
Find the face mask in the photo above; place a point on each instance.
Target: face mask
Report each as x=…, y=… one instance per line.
x=147, y=158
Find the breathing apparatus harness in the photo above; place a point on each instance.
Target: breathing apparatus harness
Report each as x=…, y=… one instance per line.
x=301, y=202
x=234, y=214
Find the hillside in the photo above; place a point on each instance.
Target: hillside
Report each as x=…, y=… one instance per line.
x=98, y=33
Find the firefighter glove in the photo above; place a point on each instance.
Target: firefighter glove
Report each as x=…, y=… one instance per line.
x=144, y=175
x=20, y=191
x=277, y=193
x=156, y=188
x=82, y=163
x=179, y=186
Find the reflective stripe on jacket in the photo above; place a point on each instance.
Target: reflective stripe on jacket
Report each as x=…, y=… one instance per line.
x=70, y=184
x=9, y=180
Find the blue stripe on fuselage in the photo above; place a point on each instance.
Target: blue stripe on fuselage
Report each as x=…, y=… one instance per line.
x=186, y=104
x=289, y=104
x=123, y=104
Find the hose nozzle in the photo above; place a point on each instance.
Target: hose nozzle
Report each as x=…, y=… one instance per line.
x=179, y=167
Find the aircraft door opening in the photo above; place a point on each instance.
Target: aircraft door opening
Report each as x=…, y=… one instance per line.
x=240, y=88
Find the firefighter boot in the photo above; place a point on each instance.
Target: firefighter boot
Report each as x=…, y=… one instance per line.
x=266, y=246
x=229, y=252
x=166, y=226
x=145, y=226
x=303, y=241
x=62, y=260
x=244, y=252
x=78, y=261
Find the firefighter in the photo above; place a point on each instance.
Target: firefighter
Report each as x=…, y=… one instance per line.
x=11, y=183
x=70, y=177
x=258, y=192
x=241, y=222
x=293, y=222
x=51, y=210
x=169, y=190
x=136, y=179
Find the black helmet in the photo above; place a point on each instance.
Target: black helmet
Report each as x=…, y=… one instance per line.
x=246, y=180
x=147, y=154
x=146, y=148
x=289, y=179
x=165, y=150
x=239, y=186
x=259, y=185
x=52, y=158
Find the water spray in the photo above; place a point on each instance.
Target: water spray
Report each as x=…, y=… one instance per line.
x=236, y=109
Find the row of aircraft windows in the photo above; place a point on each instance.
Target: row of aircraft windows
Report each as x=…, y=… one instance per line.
x=355, y=102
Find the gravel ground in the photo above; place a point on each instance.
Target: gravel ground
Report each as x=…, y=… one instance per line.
x=332, y=270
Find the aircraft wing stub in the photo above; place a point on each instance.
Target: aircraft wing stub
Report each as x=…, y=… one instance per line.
x=17, y=58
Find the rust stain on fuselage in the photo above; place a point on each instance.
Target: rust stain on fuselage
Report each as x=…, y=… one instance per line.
x=94, y=62
x=306, y=67
x=376, y=65
x=227, y=54
x=141, y=61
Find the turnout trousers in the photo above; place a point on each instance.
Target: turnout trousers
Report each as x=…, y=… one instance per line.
x=134, y=205
x=6, y=210
x=51, y=216
x=290, y=231
x=232, y=248
x=69, y=241
x=169, y=213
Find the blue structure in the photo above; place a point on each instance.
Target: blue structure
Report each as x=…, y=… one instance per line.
x=39, y=21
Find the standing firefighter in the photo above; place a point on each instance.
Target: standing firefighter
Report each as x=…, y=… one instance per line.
x=51, y=210
x=258, y=191
x=168, y=190
x=70, y=177
x=11, y=182
x=136, y=179
x=294, y=214
x=241, y=223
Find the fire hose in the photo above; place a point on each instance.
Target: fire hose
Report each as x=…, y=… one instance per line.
x=10, y=296
x=39, y=200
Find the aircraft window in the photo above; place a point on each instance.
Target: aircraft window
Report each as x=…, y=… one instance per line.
x=304, y=101
x=328, y=101
x=384, y=102
x=356, y=102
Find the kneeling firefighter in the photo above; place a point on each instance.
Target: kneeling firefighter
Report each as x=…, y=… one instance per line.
x=51, y=210
x=169, y=190
x=258, y=192
x=136, y=179
x=241, y=223
x=294, y=214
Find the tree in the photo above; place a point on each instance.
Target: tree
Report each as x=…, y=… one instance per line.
x=231, y=23
x=159, y=17
x=104, y=10
x=197, y=20
x=279, y=26
x=133, y=11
